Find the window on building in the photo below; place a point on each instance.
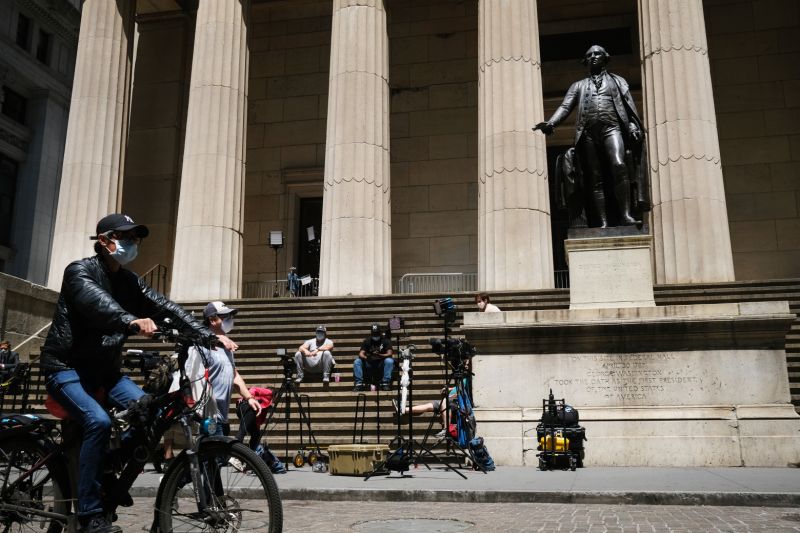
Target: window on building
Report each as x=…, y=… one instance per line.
x=14, y=105
x=43, y=47
x=23, y=31
x=572, y=46
x=8, y=186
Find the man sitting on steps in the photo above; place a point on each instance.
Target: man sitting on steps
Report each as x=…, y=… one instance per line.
x=315, y=355
x=376, y=355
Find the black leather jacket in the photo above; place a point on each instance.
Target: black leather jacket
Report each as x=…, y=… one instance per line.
x=93, y=314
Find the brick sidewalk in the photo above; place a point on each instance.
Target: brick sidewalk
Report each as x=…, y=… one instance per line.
x=342, y=517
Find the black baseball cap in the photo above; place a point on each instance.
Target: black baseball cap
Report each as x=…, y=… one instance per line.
x=120, y=222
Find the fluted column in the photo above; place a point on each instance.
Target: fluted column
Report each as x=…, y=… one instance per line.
x=690, y=218
x=91, y=176
x=514, y=241
x=208, y=235
x=356, y=211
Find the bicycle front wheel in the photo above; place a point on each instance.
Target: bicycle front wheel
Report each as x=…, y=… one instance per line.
x=240, y=493
x=31, y=499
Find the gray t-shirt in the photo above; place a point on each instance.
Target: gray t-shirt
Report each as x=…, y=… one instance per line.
x=221, y=371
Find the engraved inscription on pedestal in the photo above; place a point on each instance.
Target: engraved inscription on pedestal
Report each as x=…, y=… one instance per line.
x=642, y=377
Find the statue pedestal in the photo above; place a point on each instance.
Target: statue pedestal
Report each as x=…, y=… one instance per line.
x=610, y=267
x=684, y=385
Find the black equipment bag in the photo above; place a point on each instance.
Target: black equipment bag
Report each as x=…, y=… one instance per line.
x=566, y=417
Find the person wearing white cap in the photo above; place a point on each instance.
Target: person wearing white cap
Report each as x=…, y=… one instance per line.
x=221, y=366
x=315, y=355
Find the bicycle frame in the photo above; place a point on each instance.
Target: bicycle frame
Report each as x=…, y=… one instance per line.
x=176, y=406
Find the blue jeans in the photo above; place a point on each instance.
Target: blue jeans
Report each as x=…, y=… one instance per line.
x=373, y=365
x=76, y=394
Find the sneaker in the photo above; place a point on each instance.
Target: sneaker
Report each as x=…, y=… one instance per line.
x=298, y=379
x=236, y=464
x=359, y=387
x=326, y=378
x=442, y=434
x=386, y=387
x=99, y=523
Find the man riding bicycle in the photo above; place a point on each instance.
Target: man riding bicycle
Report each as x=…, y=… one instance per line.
x=100, y=305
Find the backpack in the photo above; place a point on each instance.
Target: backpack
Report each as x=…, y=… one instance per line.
x=480, y=454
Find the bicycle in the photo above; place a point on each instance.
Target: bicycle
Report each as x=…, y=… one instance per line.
x=200, y=491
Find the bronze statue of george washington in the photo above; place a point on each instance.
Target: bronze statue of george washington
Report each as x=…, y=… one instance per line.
x=603, y=179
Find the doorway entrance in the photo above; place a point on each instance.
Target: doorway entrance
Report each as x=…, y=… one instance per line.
x=310, y=221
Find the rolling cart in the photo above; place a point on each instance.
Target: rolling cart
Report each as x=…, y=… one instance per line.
x=560, y=438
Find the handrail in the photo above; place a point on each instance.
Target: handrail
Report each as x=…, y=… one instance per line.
x=156, y=277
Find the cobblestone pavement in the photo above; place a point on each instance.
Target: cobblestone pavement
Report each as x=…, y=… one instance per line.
x=341, y=517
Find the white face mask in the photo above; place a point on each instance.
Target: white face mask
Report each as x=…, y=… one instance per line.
x=126, y=251
x=481, y=305
x=227, y=324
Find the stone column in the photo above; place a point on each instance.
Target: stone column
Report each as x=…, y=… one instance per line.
x=514, y=241
x=690, y=219
x=94, y=153
x=208, y=235
x=356, y=213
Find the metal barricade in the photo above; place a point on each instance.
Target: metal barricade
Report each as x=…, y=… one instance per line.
x=277, y=289
x=437, y=282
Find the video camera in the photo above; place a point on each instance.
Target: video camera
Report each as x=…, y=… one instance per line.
x=286, y=360
x=455, y=351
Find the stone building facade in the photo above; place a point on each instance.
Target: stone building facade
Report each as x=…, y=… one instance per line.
x=399, y=130
x=38, y=40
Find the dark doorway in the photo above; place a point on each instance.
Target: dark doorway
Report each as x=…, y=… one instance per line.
x=308, y=249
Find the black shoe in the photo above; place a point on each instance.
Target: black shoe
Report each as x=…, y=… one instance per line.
x=359, y=387
x=99, y=523
x=386, y=386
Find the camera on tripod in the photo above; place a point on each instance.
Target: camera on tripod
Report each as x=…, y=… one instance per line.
x=455, y=351
x=287, y=361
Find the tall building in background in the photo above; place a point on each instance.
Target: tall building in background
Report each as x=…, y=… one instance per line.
x=38, y=39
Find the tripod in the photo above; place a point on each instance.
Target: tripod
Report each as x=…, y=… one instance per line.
x=465, y=422
x=407, y=449
x=287, y=393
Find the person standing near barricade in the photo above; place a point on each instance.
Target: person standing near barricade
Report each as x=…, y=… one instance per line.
x=293, y=283
x=376, y=355
x=315, y=355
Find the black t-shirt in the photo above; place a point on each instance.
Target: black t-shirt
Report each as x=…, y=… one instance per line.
x=372, y=348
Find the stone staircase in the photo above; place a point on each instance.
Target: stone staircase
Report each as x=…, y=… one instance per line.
x=263, y=326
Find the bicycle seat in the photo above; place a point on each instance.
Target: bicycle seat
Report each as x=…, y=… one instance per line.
x=57, y=410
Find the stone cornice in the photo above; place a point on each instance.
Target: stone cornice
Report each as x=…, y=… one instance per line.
x=57, y=16
x=753, y=325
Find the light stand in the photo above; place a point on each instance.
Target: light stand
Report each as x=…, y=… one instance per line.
x=276, y=243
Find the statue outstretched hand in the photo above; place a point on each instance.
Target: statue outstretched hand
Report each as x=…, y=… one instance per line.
x=545, y=128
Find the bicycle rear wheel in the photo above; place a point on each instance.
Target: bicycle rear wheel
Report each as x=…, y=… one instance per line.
x=25, y=495
x=243, y=497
